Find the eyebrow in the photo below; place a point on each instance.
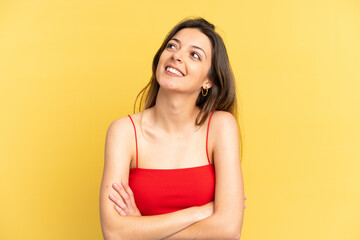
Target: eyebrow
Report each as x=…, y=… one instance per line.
x=178, y=41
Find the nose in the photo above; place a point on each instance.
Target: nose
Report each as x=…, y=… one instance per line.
x=177, y=56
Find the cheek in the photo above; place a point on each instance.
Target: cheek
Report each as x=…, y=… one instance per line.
x=159, y=66
x=163, y=56
x=207, y=71
x=200, y=72
x=161, y=61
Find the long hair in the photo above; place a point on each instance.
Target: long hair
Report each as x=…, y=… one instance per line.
x=221, y=96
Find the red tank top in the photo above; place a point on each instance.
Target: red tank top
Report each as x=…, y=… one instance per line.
x=160, y=191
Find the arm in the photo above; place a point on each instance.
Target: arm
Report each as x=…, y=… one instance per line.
x=118, y=155
x=227, y=220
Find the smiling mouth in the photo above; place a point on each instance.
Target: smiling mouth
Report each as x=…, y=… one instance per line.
x=174, y=71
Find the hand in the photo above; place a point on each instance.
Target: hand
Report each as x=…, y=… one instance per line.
x=125, y=205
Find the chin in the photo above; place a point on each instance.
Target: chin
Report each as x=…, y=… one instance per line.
x=168, y=85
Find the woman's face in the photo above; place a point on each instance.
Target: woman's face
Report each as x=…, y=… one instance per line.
x=185, y=62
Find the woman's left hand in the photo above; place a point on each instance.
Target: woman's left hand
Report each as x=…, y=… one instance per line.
x=125, y=205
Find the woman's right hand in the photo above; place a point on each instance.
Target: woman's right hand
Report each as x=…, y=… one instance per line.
x=125, y=203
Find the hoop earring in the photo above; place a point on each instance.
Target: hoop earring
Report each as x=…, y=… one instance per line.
x=206, y=91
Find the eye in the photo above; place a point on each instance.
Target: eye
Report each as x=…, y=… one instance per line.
x=169, y=45
x=196, y=55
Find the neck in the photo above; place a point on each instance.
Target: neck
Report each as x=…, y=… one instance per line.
x=175, y=111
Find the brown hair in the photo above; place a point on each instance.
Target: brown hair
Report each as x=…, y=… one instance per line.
x=221, y=96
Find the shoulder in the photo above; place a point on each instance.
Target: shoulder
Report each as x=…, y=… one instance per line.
x=121, y=131
x=124, y=124
x=119, y=143
x=120, y=126
x=223, y=130
x=223, y=121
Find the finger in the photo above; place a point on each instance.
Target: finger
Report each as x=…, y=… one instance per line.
x=120, y=191
x=118, y=202
x=129, y=192
x=126, y=198
x=120, y=211
x=132, y=207
x=116, y=187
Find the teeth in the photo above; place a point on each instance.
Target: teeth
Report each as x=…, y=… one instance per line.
x=172, y=70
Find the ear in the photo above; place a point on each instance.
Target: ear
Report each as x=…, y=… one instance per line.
x=207, y=84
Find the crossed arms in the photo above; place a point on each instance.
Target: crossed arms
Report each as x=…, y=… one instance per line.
x=221, y=219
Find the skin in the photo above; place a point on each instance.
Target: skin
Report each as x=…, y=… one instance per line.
x=164, y=131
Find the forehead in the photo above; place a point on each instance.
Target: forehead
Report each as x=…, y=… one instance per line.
x=194, y=37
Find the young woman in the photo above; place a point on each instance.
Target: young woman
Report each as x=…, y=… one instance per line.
x=172, y=171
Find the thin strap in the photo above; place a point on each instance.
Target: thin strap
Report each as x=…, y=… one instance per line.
x=135, y=141
x=207, y=135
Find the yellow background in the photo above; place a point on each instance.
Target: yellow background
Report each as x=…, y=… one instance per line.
x=69, y=68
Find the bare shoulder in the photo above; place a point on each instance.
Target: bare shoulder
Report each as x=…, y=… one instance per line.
x=119, y=144
x=120, y=127
x=223, y=121
x=224, y=135
x=226, y=147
